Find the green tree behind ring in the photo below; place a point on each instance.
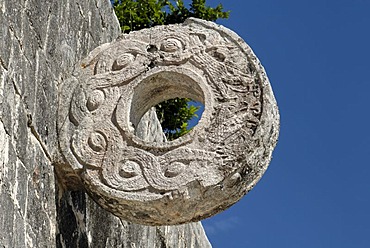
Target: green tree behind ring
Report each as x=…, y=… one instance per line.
x=173, y=114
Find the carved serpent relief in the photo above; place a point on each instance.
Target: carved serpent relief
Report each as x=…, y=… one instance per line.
x=190, y=178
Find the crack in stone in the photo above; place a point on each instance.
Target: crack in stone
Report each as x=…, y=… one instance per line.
x=92, y=37
x=37, y=136
x=2, y=64
x=16, y=37
x=6, y=131
x=32, y=26
x=80, y=10
x=161, y=238
x=101, y=16
x=16, y=90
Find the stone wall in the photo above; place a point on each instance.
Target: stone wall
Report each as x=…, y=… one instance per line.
x=40, y=42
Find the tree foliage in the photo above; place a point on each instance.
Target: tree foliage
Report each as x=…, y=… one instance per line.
x=173, y=114
x=138, y=14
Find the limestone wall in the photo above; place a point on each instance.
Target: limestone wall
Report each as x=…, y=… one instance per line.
x=40, y=42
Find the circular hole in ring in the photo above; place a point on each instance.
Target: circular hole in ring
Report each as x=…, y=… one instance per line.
x=164, y=86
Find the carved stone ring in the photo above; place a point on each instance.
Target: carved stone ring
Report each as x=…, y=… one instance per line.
x=194, y=176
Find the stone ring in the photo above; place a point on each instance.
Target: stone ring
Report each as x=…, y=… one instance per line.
x=153, y=182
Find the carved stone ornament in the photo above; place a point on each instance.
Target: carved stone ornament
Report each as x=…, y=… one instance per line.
x=194, y=176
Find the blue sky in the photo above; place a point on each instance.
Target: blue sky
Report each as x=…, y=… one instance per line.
x=316, y=192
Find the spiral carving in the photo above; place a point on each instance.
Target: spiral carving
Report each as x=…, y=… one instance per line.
x=171, y=45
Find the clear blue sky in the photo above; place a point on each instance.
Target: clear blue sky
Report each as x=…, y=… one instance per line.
x=316, y=192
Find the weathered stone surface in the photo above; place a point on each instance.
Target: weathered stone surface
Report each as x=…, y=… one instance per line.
x=135, y=235
x=120, y=233
x=40, y=42
x=149, y=128
x=187, y=179
x=83, y=223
